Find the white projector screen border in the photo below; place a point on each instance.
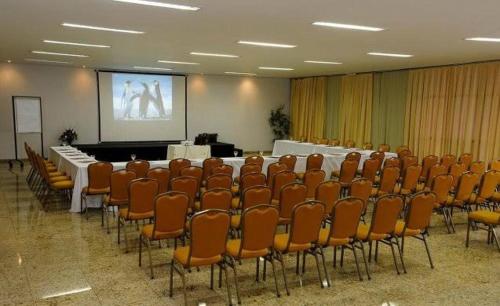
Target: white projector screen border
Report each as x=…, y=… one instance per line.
x=99, y=104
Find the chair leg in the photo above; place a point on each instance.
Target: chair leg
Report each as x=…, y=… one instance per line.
x=125, y=235
x=229, y=299
x=370, y=251
x=119, y=226
x=304, y=262
x=400, y=254
x=376, y=251
x=496, y=237
x=170, y=285
x=334, y=256
x=140, y=250
x=364, y=259
x=183, y=277
x=148, y=244
x=271, y=259
x=280, y=259
x=356, y=261
x=318, y=268
x=297, y=263
x=393, y=256
x=468, y=234
x=341, y=256
x=428, y=250
x=233, y=265
x=212, y=277
x=107, y=217
x=324, y=266
x=257, y=269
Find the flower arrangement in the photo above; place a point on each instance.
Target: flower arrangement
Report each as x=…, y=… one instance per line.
x=68, y=136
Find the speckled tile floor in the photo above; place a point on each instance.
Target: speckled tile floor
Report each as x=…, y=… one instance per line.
x=59, y=258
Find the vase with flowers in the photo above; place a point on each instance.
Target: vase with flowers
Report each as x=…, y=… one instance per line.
x=68, y=137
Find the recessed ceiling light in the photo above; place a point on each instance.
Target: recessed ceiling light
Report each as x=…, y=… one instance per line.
x=74, y=44
x=265, y=44
x=276, y=68
x=45, y=61
x=59, y=54
x=83, y=66
x=161, y=4
x=178, y=63
x=9, y=61
x=214, y=54
x=347, y=26
x=390, y=54
x=323, y=62
x=486, y=39
x=151, y=68
x=82, y=26
x=240, y=73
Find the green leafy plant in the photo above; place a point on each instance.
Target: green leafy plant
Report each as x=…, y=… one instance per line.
x=68, y=136
x=280, y=123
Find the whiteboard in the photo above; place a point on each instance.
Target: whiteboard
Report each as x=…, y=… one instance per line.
x=28, y=115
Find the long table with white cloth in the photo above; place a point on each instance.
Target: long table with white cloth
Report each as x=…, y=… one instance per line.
x=74, y=163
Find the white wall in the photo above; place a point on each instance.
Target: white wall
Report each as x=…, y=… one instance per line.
x=235, y=107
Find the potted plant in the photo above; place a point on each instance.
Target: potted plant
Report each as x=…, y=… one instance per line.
x=280, y=123
x=68, y=136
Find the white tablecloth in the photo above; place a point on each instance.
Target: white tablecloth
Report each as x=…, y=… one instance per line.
x=189, y=152
x=282, y=147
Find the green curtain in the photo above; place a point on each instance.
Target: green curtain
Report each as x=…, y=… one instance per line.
x=332, y=107
x=389, y=102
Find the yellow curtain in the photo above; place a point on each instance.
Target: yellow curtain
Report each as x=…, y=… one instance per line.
x=355, y=112
x=454, y=110
x=308, y=104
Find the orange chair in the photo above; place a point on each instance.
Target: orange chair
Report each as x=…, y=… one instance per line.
x=328, y=193
x=442, y=185
x=255, y=159
x=223, y=169
x=380, y=156
x=216, y=199
x=140, y=167
x=176, y=165
x=447, y=160
x=427, y=163
x=306, y=219
x=495, y=165
x=289, y=160
x=486, y=191
x=466, y=159
x=290, y=195
x=313, y=162
x=368, y=146
x=193, y=171
x=392, y=162
x=403, y=153
x=279, y=180
x=219, y=181
x=53, y=184
x=208, y=165
x=409, y=183
x=370, y=168
x=433, y=172
x=349, y=144
x=188, y=185
x=98, y=176
x=384, y=148
x=407, y=161
x=312, y=178
x=456, y=170
x=402, y=148
x=361, y=189
x=209, y=230
x=478, y=167
x=347, y=173
x=417, y=221
x=250, y=168
x=382, y=227
x=388, y=180
x=272, y=169
x=162, y=175
x=252, y=179
x=141, y=195
x=258, y=227
x=252, y=196
x=462, y=197
x=118, y=191
x=353, y=156
x=334, y=142
x=489, y=218
x=170, y=212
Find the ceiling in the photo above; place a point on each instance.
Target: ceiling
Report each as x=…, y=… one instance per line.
x=432, y=31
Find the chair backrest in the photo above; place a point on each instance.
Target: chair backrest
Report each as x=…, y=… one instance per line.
x=141, y=194
x=252, y=179
x=427, y=163
x=361, y=189
x=456, y=170
x=118, y=185
x=407, y=161
x=281, y=179
x=380, y=156
x=272, y=169
x=291, y=195
x=255, y=159
x=402, y=148
x=442, y=186
x=219, y=181
x=420, y=211
x=306, y=222
x=250, y=168
x=140, y=167
x=384, y=147
x=98, y=175
x=403, y=153
x=328, y=193
x=478, y=167
x=162, y=175
x=42, y=168
x=334, y=142
x=209, y=230
x=353, y=156
x=289, y=160
x=392, y=162
x=223, y=169
x=345, y=218
x=385, y=214
x=256, y=195
x=389, y=179
x=175, y=166
x=433, y=172
x=258, y=226
x=466, y=159
x=370, y=168
x=466, y=185
x=349, y=143
x=312, y=178
x=186, y=184
x=368, y=146
x=314, y=161
x=447, y=160
x=216, y=199
x=495, y=165
x=348, y=170
x=410, y=177
x=193, y=171
x=170, y=212
x=489, y=183
x=209, y=164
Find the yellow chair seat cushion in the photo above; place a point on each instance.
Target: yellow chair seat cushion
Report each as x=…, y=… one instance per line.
x=235, y=221
x=281, y=243
x=114, y=202
x=135, y=216
x=282, y=221
x=147, y=231
x=496, y=197
x=452, y=202
x=235, y=189
x=300, y=176
x=62, y=184
x=400, y=225
x=51, y=168
x=323, y=239
x=181, y=255
x=54, y=179
x=485, y=216
x=57, y=173
x=233, y=249
x=235, y=203
x=95, y=191
x=403, y=191
x=336, y=173
x=275, y=202
x=364, y=229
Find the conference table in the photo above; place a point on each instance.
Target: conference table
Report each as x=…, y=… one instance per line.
x=74, y=163
x=188, y=151
x=282, y=147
